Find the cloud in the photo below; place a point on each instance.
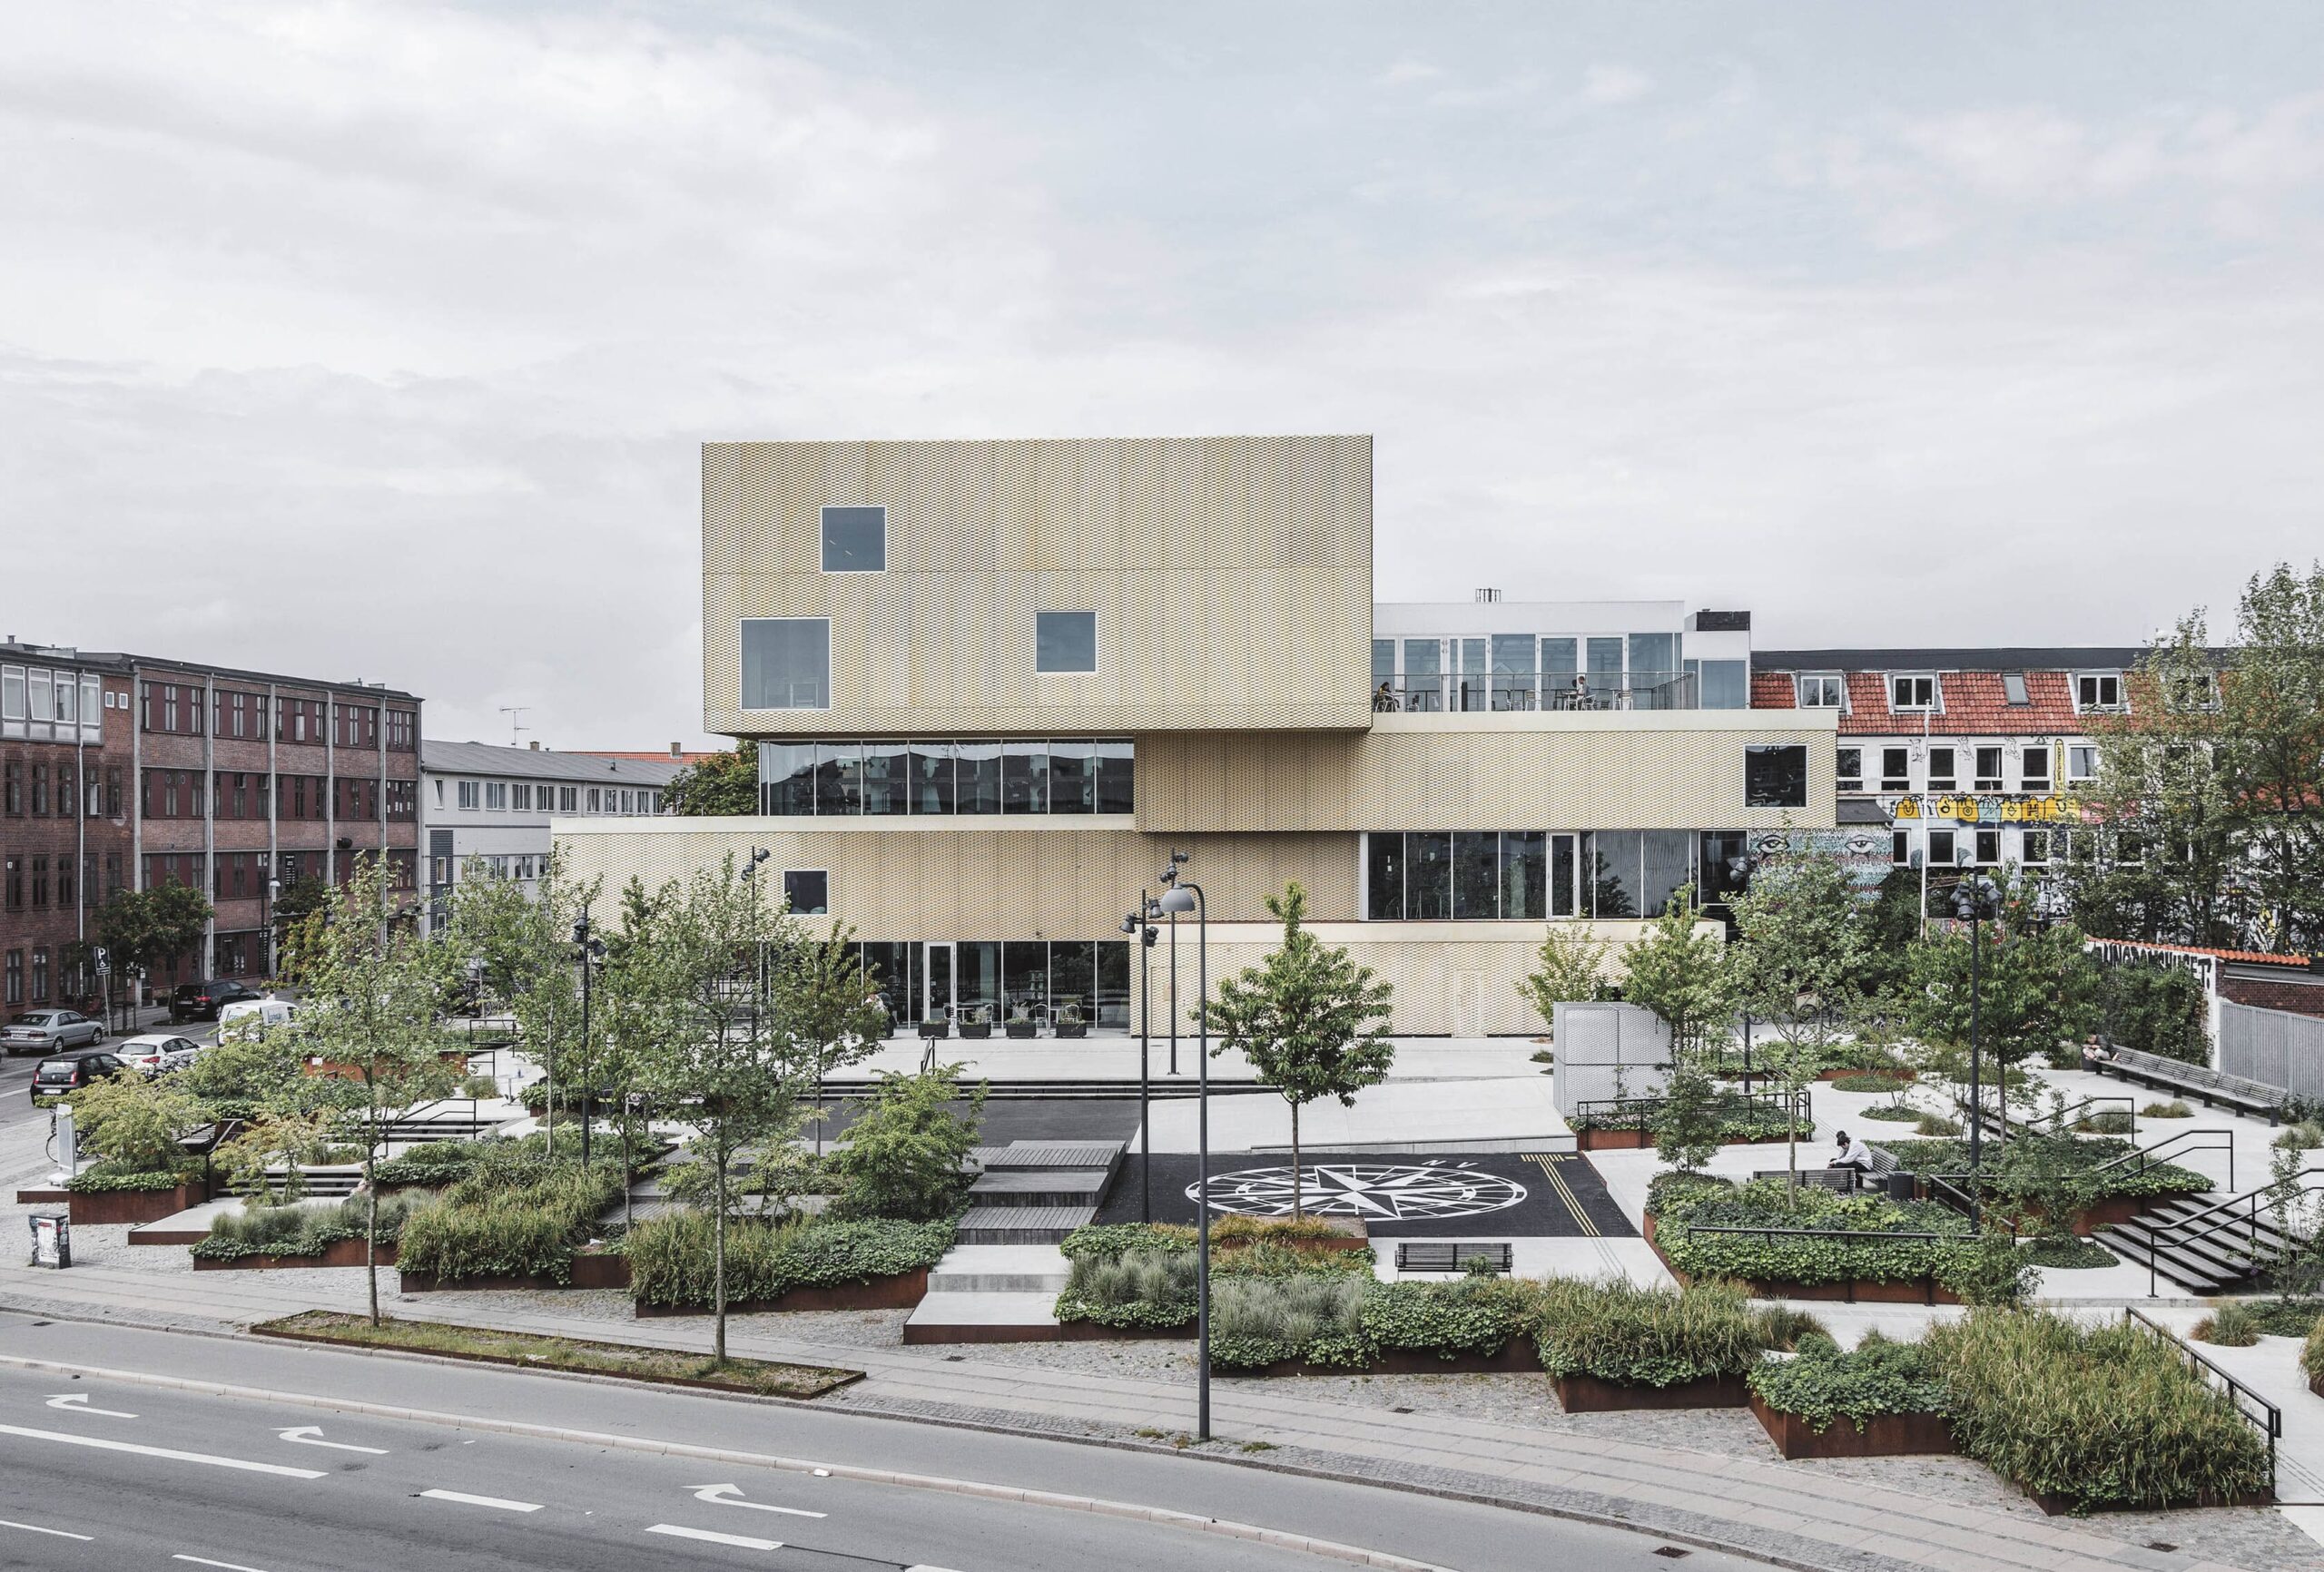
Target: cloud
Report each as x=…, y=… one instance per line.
x=1613, y=84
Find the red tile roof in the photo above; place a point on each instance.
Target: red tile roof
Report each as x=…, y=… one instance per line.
x=1971, y=704
x=2260, y=957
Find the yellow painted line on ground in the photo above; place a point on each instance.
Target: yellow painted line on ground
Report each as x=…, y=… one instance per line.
x=1548, y=1164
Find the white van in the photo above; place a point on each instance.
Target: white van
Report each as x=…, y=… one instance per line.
x=250, y=1017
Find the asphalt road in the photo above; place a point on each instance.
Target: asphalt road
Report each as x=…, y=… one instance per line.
x=108, y=1473
x=16, y=1072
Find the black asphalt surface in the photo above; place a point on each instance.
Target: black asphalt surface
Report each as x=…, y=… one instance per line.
x=1032, y=1119
x=1441, y=1194
x=598, y=1508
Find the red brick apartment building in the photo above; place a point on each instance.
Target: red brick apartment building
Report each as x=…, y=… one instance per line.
x=236, y=782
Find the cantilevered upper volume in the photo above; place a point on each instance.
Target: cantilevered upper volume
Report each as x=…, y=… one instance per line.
x=1049, y=587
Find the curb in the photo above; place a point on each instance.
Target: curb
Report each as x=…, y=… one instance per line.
x=1355, y=1555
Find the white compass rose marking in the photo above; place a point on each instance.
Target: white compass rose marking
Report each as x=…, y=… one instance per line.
x=1395, y=1191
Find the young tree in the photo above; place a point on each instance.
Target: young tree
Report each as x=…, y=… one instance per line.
x=2036, y=988
x=1569, y=968
x=725, y=784
x=624, y=1020
x=1685, y=978
x=711, y=1037
x=906, y=1154
x=371, y=1015
x=1308, y=1018
x=830, y=1007
x=142, y=929
x=1799, y=966
x=531, y=967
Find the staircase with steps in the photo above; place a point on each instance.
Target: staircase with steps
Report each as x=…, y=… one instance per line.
x=1000, y=1279
x=2225, y=1251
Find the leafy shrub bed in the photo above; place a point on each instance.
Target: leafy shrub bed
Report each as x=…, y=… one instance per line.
x=673, y=1265
x=1890, y=1111
x=105, y=1179
x=1822, y=1383
x=2105, y=1418
x=433, y=1162
x=2008, y=1166
x=1884, y=1081
x=1775, y=1258
x=1736, y=1120
x=511, y=1216
x=298, y=1230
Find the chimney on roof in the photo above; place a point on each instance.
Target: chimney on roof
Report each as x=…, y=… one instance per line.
x=1485, y=596
x=536, y=745
x=676, y=753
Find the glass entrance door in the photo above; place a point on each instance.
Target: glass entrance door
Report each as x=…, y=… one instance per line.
x=936, y=1004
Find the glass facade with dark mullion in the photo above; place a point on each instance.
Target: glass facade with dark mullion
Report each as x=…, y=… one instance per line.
x=934, y=776
x=1528, y=875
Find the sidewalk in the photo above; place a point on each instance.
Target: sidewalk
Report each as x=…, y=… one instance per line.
x=1805, y=1516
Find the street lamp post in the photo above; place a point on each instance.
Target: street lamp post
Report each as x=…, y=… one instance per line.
x=1188, y=897
x=1970, y=898
x=590, y=949
x=1137, y=926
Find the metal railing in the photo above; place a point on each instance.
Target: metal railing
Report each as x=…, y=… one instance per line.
x=1423, y=693
x=1603, y=1113
x=2141, y=1158
x=2269, y=1420
x=2237, y=1211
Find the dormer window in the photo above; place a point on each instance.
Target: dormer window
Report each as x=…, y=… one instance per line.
x=1822, y=690
x=1914, y=690
x=2097, y=690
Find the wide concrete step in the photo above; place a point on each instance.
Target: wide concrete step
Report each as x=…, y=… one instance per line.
x=1022, y=1224
x=1040, y=1187
x=982, y=1317
x=1050, y=1155
x=999, y=1269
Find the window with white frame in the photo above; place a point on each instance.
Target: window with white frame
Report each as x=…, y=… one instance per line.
x=521, y=796
x=1988, y=769
x=2034, y=770
x=1941, y=770
x=2097, y=690
x=1822, y=690
x=568, y=796
x=1895, y=770
x=2035, y=848
x=495, y=796
x=2081, y=761
x=1848, y=769
x=1940, y=849
x=1912, y=690
x=468, y=794
x=1988, y=847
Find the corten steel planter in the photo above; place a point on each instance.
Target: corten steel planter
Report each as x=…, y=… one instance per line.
x=97, y=1207
x=1062, y=1332
x=901, y=1291
x=598, y=1271
x=1639, y=1140
x=338, y=1253
x=1586, y=1394
x=1855, y=1291
x=2067, y=1507
x=1517, y=1357
x=1887, y=1435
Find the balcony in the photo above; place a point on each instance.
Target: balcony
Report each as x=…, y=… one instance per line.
x=1419, y=694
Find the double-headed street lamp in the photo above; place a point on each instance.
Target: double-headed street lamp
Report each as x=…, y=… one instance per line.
x=1138, y=926
x=1972, y=898
x=1180, y=896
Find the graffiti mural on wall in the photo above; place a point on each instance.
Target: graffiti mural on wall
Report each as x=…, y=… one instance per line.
x=1864, y=853
x=1997, y=809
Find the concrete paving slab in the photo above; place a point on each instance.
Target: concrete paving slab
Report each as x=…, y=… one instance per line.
x=1407, y=1115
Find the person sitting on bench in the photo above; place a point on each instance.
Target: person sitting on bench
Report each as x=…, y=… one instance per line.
x=1852, y=1154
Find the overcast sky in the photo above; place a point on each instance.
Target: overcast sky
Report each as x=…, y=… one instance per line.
x=377, y=339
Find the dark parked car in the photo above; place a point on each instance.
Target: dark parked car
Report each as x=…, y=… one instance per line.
x=200, y=1001
x=64, y=1073
x=50, y=1031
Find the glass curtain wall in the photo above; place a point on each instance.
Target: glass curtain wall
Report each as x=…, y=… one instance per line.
x=978, y=774
x=941, y=777
x=1513, y=671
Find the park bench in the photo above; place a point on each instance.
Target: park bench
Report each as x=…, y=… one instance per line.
x=2215, y=1089
x=1449, y=1255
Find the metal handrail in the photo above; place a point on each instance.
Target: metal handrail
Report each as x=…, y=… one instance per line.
x=2060, y=1120
x=2250, y=1201
x=2271, y=1426
x=1801, y=1105
x=2148, y=1156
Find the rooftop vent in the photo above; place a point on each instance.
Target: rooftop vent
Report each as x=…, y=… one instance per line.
x=1485, y=596
x=1712, y=622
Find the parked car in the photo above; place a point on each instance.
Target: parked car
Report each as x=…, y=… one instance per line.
x=63, y=1073
x=250, y=1017
x=202, y=1001
x=152, y=1052
x=50, y=1031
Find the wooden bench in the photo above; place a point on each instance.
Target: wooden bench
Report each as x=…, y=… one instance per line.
x=1428, y=1255
x=2214, y=1088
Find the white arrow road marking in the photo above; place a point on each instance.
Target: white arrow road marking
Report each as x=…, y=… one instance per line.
x=36, y=1528
x=245, y=1464
x=312, y=1436
x=78, y=1403
x=223, y=1565
x=740, y=1541
x=732, y=1496
x=467, y=1500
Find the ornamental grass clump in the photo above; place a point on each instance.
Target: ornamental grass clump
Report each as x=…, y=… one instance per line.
x=2109, y=1417
x=672, y=1261
x=1263, y=1321
x=1148, y=1290
x=511, y=1216
x=1822, y=1383
x=1653, y=1337
x=2171, y=1110
x=2231, y=1325
x=1780, y=1326
x=299, y=1231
